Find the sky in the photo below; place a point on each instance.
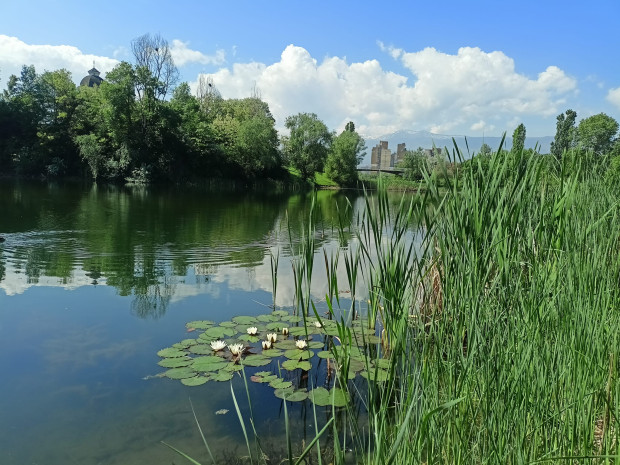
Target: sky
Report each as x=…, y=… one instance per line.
x=450, y=67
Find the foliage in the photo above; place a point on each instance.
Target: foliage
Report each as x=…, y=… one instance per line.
x=518, y=139
x=346, y=152
x=415, y=164
x=307, y=145
x=597, y=133
x=564, y=134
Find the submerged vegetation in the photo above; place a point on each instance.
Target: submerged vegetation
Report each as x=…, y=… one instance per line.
x=493, y=334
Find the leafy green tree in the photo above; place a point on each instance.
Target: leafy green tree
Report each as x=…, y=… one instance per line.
x=518, y=139
x=597, y=133
x=307, y=145
x=486, y=149
x=564, y=134
x=346, y=152
x=414, y=164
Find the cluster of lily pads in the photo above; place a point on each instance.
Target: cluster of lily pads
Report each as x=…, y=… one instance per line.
x=278, y=338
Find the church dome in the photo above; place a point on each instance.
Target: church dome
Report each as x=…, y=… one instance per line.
x=93, y=78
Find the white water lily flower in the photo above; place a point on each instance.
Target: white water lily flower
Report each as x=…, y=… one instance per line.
x=236, y=349
x=266, y=344
x=272, y=337
x=318, y=324
x=252, y=330
x=218, y=345
x=301, y=344
x=285, y=331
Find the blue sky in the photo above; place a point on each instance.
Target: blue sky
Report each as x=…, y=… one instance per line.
x=451, y=67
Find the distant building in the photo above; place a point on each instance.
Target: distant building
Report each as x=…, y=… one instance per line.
x=93, y=79
x=381, y=156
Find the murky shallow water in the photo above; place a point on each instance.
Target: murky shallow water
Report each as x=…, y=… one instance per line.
x=94, y=281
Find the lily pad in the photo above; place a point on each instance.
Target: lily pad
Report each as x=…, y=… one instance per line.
x=295, y=364
x=177, y=362
x=220, y=332
x=267, y=378
x=272, y=353
x=249, y=338
x=228, y=324
x=291, y=395
x=322, y=397
x=200, y=324
x=275, y=326
x=376, y=375
x=292, y=318
x=279, y=383
x=267, y=318
x=316, y=345
x=171, y=352
x=298, y=331
x=232, y=367
x=195, y=381
x=256, y=360
x=382, y=363
x=201, y=349
x=244, y=320
x=223, y=375
x=286, y=344
x=298, y=354
x=325, y=354
x=280, y=313
x=209, y=363
x=185, y=343
x=180, y=373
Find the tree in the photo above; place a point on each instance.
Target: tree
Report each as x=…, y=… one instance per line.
x=414, y=164
x=597, y=133
x=518, y=139
x=486, y=149
x=564, y=134
x=346, y=152
x=307, y=145
x=154, y=65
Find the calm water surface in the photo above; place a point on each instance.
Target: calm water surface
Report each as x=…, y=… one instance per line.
x=95, y=280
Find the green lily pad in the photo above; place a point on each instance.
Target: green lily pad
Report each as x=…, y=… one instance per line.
x=177, y=362
x=272, y=353
x=322, y=397
x=275, y=326
x=209, y=363
x=223, y=375
x=195, y=381
x=171, y=352
x=292, y=318
x=298, y=331
x=264, y=378
x=383, y=363
x=297, y=354
x=280, y=313
x=219, y=332
x=267, y=318
x=256, y=360
x=201, y=349
x=200, y=324
x=325, y=354
x=286, y=344
x=295, y=364
x=180, y=373
x=315, y=345
x=228, y=324
x=249, y=338
x=244, y=320
x=232, y=367
x=185, y=343
x=291, y=395
x=279, y=383
x=356, y=365
x=376, y=375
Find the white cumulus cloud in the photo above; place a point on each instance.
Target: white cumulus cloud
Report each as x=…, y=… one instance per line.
x=613, y=96
x=182, y=55
x=15, y=53
x=442, y=92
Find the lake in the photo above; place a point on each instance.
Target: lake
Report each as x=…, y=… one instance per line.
x=95, y=280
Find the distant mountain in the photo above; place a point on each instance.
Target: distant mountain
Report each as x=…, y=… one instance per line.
x=426, y=140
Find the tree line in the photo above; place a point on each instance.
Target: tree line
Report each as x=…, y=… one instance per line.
x=140, y=124
x=593, y=144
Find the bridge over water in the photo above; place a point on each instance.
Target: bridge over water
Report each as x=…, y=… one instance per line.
x=395, y=171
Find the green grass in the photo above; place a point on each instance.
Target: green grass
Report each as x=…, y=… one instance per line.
x=320, y=179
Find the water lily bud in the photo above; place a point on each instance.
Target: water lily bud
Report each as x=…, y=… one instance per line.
x=285, y=331
x=266, y=345
x=272, y=337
